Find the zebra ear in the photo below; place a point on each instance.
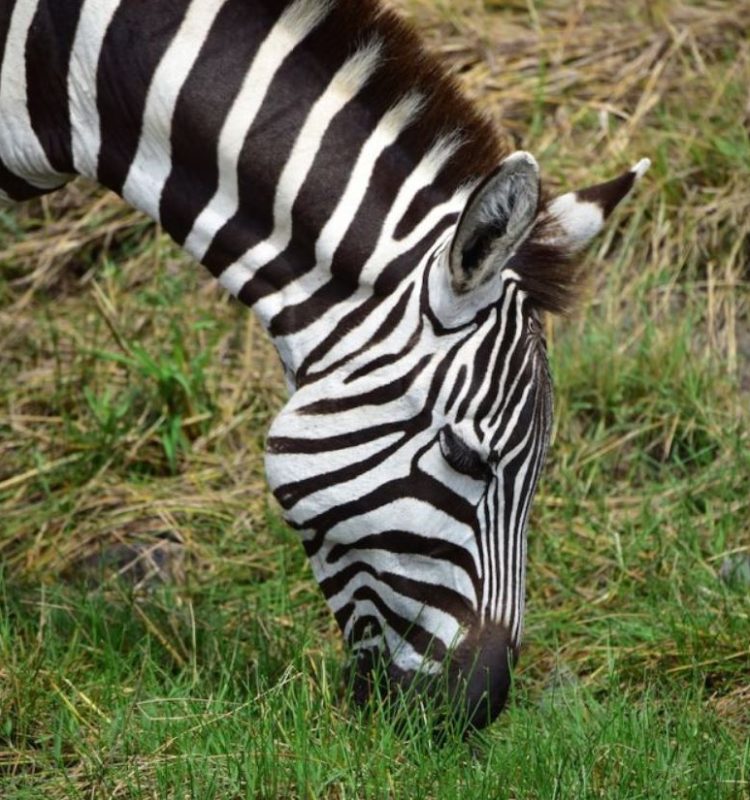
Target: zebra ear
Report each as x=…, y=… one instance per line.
x=498, y=217
x=573, y=219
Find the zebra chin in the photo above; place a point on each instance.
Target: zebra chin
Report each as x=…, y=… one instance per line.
x=468, y=693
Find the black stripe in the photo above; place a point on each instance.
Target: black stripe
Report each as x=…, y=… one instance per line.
x=389, y=359
x=408, y=631
x=504, y=354
x=406, y=543
x=418, y=486
x=6, y=13
x=386, y=327
x=204, y=102
x=365, y=627
x=269, y=143
x=350, y=321
x=396, y=388
x=419, y=638
x=511, y=401
x=457, y=386
x=17, y=188
x=528, y=490
x=491, y=535
x=136, y=40
x=481, y=359
x=48, y=49
x=294, y=318
x=291, y=493
x=428, y=594
x=327, y=444
x=508, y=479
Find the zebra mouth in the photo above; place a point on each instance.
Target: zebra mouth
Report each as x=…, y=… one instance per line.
x=469, y=692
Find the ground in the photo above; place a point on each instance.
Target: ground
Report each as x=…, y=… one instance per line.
x=134, y=400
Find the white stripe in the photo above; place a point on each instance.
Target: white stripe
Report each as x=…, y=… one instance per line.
x=19, y=147
x=443, y=626
x=491, y=515
x=517, y=532
x=345, y=85
x=94, y=20
x=423, y=175
x=293, y=348
x=292, y=27
x=384, y=135
x=503, y=394
x=152, y=163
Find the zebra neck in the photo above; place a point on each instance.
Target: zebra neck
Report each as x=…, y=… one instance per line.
x=308, y=153
x=339, y=161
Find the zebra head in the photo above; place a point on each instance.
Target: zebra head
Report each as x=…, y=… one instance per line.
x=409, y=453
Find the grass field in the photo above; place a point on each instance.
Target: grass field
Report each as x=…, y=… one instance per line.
x=134, y=400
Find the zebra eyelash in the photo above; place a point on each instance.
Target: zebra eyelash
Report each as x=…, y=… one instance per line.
x=462, y=457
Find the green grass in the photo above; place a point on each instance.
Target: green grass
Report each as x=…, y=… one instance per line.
x=134, y=401
x=98, y=705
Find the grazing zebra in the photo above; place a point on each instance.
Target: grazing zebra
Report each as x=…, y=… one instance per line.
x=333, y=178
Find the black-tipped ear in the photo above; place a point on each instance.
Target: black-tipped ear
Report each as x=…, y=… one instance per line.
x=498, y=217
x=576, y=217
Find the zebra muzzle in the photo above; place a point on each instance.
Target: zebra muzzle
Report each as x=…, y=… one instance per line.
x=468, y=693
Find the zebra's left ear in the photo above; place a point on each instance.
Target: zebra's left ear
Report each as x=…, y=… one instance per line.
x=498, y=217
x=571, y=220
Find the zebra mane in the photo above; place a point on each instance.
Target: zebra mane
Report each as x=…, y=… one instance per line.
x=549, y=273
x=546, y=269
x=405, y=64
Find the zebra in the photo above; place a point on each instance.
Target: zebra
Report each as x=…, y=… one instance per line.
x=332, y=177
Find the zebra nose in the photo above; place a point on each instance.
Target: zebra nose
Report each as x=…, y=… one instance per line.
x=481, y=675
x=472, y=689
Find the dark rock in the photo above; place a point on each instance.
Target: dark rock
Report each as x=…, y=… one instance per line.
x=735, y=570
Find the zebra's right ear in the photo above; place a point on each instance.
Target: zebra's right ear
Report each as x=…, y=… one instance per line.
x=498, y=217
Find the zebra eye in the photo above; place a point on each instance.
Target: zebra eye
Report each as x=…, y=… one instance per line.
x=462, y=457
